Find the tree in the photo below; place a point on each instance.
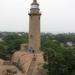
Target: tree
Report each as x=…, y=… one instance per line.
x=61, y=60
x=11, y=43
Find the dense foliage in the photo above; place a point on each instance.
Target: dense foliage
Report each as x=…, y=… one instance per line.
x=60, y=58
x=11, y=43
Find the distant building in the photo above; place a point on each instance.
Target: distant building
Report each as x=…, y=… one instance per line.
x=69, y=44
x=1, y=39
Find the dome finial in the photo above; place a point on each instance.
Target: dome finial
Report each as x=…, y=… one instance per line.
x=34, y=0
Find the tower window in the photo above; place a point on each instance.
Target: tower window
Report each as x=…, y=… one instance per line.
x=34, y=6
x=31, y=36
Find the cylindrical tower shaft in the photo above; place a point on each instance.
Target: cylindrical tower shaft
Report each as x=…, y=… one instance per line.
x=34, y=26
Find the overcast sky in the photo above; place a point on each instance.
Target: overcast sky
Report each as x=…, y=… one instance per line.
x=57, y=15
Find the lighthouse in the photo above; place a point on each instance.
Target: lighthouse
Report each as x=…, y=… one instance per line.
x=34, y=26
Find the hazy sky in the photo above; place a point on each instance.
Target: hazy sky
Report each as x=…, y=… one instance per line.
x=57, y=15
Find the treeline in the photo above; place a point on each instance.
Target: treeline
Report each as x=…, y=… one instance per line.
x=63, y=37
